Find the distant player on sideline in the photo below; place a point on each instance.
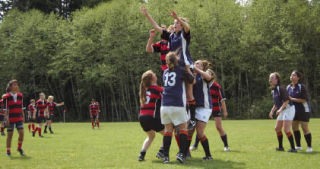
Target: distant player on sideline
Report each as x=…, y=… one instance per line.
x=13, y=104
x=2, y=115
x=298, y=95
x=51, y=107
x=42, y=112
x=31, y=112
x=284, y=110
x=94, y=113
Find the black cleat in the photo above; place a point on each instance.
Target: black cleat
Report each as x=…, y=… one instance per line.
x=166, y=160
x=8, y=154
x=180, y=157
x=141, y=157
x=280, y=149
x=160, y=155
x=3, y=134
x=21, y=152
x=192, y=124
x=41, y=136
x=33, y=134
x=51, y=132
x=207, y=158
x=292, y=150
x=188, y=155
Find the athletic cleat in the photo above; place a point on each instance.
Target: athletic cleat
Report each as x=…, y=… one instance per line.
x=41, y=136
x=192, y=124
x=309, y=150
x=141, y=157
x=51, y=132
x=160, y=155
x=280, y=149
x=180, y=157
x=226, y=149
x=207, y=158
x=8, y=154
x=193, y=148
x=3, y=134
x=166, y=160
x=299, y=148
x=45, y=132
x=21, y=152
x=33, y=134
x=292, y=151
x=188, y=155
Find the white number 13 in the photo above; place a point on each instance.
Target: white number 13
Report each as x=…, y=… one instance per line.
x=170, y=79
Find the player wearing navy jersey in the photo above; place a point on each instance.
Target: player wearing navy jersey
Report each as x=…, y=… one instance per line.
x=218, y=105
x=94, y=113
x=179, y=42
x=51, y=106
x=173, y=105
x=149, y=116
x=13, y=103
x=284, y=110
x=41, y=112
x=298, y=95
x=31, y=111
x=2, y=115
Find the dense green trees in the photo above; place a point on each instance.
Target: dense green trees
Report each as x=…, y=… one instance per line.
x=100, y=52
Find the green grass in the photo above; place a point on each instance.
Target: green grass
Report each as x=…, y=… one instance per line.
x=117, y=145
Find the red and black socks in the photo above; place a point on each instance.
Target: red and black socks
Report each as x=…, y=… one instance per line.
x=290, y=138
x=205, y=145
x=167, y=143
x=183, y=141
x=192, y=108
x=280, y=138
x=20, y=140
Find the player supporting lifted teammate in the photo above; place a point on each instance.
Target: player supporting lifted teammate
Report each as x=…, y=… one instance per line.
x=51, y=106
x=31, y=112
x=2, y=115
x=298, y=96
x=13, y=104
x=94, y=113
x=179, y=42
x=150, y=100
x=42, y=112
x=285, y=111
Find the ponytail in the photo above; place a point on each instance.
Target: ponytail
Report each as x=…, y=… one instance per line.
x=146, y=81
x=171, y=60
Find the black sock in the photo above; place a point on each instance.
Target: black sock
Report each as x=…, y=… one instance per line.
x=196, y=142
x=280, y=138
x=308, y=139
x=225, y=140
x=189, y=139
x=166, y=144
x=50, y=129
x=45, y=128
x=143, y=153
x=297, y=137
x=205, y=145
x=192, y=108
x=290, y=138
x=182, y=143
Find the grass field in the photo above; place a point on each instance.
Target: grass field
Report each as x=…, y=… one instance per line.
x=117, y=145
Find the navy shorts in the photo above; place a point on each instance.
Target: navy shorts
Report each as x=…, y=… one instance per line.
x=216, y=114
x=94, y=116
x=302, y=116
x=41, y=119
x=12, y=125
x=50, y=117
x=1, y=117
x=149, y=123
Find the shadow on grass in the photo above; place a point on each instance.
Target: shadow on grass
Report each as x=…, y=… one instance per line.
x=305, y=153
x=25, y=157
x=199, y=163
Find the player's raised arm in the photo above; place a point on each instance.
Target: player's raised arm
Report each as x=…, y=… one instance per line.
x=185, y=25
x=149, y=48
x=150, y=19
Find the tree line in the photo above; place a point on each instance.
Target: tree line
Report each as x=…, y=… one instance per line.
x=99, y=52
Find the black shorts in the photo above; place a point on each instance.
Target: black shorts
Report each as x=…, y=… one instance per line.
x=18, y=125
x=94, y=116
x=41, y=119
x=149, y=123
x=50, y=117
x=1, y=117
x=216, y=114
x=302, y=116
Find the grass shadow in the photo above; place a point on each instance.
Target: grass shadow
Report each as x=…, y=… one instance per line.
x=305, y=153
x=25, y=157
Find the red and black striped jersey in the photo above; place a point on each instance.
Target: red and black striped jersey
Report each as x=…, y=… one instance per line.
x=13, y=103
x=217, y=96
x=162, y=47
x=153, y=95
x=94, y=108
x=31, y=109
x=1, y=107
x=51, y=107
x=41, y=106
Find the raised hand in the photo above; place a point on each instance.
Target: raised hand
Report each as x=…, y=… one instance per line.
x=152, y=33
x=173, y=14
x=144, y=10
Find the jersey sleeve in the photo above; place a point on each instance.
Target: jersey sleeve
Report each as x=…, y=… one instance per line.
x=304, y=92
x=5, y=103
x=187, y=36
x=186, y=76
x=283, y=94
x=156, y=47
x=165, y=35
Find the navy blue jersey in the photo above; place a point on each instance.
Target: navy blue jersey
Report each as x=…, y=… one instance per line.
x=279, y=95
x=201, y=93
x=299, y=91
x=179, y=42
x=174, y=93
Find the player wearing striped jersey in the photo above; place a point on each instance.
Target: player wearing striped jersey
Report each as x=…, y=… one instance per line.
x=298, y=95
x=2, y=115
x=218, y=103
x=179, y=41
x=31, y=112
x=149, y=117
x=13, y=104
x=41, y=113
x=173, y=105
x=94, y=113
x=51, y=106
x=284, y=110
